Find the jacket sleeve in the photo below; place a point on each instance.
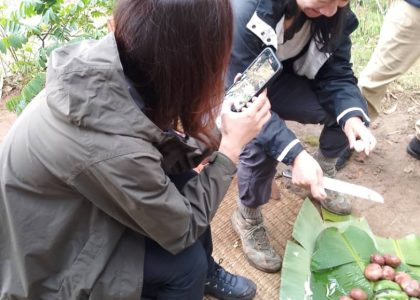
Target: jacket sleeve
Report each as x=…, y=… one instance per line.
x=134, y=190
x=335, y=83
x=279, y=142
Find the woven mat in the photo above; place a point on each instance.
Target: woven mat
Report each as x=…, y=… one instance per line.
x=279, y=217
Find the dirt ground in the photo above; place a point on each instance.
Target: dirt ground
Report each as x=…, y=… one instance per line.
x=389, y=169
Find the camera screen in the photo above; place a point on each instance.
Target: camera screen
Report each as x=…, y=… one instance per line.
x=251, y=81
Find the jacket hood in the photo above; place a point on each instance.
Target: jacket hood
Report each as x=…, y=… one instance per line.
x=86, y=86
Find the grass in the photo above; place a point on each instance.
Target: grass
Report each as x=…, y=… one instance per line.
x=370, y=14
x=365, y=37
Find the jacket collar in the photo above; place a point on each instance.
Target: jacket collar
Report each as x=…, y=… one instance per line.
x=264, y=20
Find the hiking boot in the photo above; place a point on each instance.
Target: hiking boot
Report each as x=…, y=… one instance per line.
x=327, y=164
x=343, y=159
x=413, y=148
x=335, y=202
x=255, y=243
x=225, y=286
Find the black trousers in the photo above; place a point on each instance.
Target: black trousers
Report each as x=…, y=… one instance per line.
x=180, y=276
x=292, y=98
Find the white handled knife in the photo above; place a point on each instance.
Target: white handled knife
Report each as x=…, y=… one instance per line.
x=346, y=188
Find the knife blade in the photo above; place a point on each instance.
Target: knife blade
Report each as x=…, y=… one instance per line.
x=346, y=188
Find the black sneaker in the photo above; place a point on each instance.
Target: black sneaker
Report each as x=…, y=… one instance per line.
x=225, y=286
x=343, y=159
x=413, y=148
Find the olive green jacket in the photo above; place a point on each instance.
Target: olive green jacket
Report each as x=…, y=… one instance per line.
x=83, y=178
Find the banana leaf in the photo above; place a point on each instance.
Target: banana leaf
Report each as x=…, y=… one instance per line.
x=328, y=255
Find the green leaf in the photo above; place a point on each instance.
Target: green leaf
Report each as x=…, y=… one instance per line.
x=331, y=284
x=13, y=103
x=330, y=251
x=30, y=90
x=334, y=249
x=407, y=248
x=34, y=30
x=16, y=40
x=96, y=14
x=334, y=255
x=3, y=47
x=307, y=226
x=410, y=249
x=49, y=16
x=295, y=272
x=33, y=87
x=12, y=26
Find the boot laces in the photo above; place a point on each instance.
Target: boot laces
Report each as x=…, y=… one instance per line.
x=259, y=235
x=222, y=275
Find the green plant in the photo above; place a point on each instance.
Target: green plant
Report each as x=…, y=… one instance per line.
x=370, y=14
x=30, y=90
x=30, y=32
x=328, y=255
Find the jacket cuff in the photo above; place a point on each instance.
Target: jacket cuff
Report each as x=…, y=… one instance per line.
x=220, y=158
x=288, y=155
x=278, y=141
x=353, y=112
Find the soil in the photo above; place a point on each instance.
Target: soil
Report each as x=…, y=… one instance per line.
x=389, y=170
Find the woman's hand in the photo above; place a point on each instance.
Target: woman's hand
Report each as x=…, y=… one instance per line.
x=308, y=174
x=239, y=128
x=359, y=136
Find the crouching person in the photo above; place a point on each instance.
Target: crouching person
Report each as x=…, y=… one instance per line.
x=98, y=197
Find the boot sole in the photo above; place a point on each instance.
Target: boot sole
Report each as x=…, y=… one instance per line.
x=250, y=261
x=224, y=297
x=336, y=213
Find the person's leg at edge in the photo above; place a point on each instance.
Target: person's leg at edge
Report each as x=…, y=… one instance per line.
x=168, y=276
x=222, y=284
x=180, y=276
x=292, y=98
x=192, y=272
x=397, y=50
x=255, y=174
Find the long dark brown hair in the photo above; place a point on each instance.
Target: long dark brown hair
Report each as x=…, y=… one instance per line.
x=327, y=31
x=176, y=53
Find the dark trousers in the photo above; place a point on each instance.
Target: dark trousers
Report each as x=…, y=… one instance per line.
x=292, y=98
x=181, y=276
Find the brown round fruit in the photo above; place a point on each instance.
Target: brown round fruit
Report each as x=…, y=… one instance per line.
x=392, y=260
x=411, y=287
x=400, y=277
x=373, y=272
x=358, y=294
x=388, y=273
x=377, y=259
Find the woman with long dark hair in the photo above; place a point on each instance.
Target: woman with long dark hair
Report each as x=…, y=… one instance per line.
x=98, y=197
x=317, y=86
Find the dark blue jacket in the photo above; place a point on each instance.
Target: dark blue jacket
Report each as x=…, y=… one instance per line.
x=332, y=76
x=416, y=3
